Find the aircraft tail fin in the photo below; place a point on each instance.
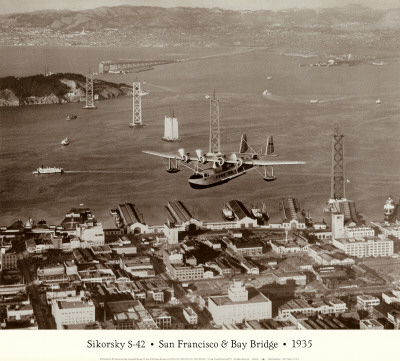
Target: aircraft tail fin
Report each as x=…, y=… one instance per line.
x=269, y=148
x=243, y=144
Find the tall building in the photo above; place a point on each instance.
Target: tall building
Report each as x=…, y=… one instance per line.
x=8, y=260
x=90, y=232
x=71, y=313
x=240, y=304
x=337, y=225
x=358, y=241
x=365, y=246
x=367, y=302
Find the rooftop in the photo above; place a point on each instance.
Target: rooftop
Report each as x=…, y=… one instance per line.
x=158, y=312
x=239, y=209
x=131, y=214
x=254, y=297
x=245, y=243
x=75, y=217
x=358, y=240
x=371, y=323
x=124, y=306
x=367, y=297
x=76, y=304
x=179, y=211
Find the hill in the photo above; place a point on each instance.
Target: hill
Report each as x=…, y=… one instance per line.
x=55, y=88
x=125, y=16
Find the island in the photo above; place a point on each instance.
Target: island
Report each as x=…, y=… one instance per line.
x=55, y=88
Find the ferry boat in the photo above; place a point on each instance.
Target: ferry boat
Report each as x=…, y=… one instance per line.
x=71, y=116
x=48, y=170
x=227, y=214
x=65, y=141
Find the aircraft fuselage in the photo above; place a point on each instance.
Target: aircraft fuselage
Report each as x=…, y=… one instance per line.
x=211, y=177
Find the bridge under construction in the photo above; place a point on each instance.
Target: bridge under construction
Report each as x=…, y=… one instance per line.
x=123, y=66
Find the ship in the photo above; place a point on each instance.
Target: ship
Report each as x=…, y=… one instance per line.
x=257, y=214
x=71, y=116
x=48, y=170
x=314, y=101
x=65, y=141
x=265, y=213
x=269, y=77
x=227, y=214
x=388, y=209
x=171, y=131
x=307, y=218
x=266, y=92
x=378, y=101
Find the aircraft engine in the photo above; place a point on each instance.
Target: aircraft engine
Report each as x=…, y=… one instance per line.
x=200, y=157
x=220, y=161
x=239, y=162
x=184, y=157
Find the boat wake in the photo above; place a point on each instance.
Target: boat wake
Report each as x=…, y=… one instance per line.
x=100, y=171
x=162, y=87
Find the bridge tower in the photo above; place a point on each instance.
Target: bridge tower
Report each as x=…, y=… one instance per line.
x=89, y=92
x=137, y=106
x=215, y=143
x=338, y=203
x=337, y=171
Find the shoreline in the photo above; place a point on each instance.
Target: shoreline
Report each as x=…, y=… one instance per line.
x=59, y=88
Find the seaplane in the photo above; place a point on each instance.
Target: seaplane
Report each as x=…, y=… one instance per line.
x=215, y=168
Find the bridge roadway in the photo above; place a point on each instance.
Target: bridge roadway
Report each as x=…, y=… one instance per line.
x=130, y=65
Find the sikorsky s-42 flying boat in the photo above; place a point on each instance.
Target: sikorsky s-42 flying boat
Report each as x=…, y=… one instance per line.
x=215, y=168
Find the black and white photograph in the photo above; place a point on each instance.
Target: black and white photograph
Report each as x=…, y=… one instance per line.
x=199, y=179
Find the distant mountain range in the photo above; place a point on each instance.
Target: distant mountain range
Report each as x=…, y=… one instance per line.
x=351, y=17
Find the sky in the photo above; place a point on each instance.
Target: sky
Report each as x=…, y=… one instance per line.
x=19, y=6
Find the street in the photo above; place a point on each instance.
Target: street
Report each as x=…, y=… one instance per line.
x=41, y=310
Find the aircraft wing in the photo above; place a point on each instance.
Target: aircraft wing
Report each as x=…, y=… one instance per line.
x=261, y=162
x=213, y=158
x=169, y=155
x=162, y=155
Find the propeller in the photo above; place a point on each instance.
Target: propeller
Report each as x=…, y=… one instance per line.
x=238, y=161
x=184, y=157
x=220, y=161
x=200, y=157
